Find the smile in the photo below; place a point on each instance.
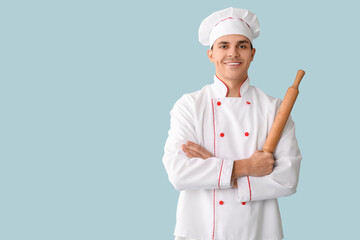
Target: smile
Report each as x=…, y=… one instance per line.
x=233, y=63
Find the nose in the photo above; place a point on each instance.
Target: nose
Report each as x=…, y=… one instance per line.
x=233, y=52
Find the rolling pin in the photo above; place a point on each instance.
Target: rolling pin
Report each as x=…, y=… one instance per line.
x=283, y=114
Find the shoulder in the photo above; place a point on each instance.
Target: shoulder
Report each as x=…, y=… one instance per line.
x=193, y=98
x=191, y=101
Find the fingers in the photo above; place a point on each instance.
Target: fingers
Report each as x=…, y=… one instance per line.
x=190, y=153
x=261, y=154
x=194, y=150
x=261, y=163
x=202, y=151
x=197, y=148
x=266, y=154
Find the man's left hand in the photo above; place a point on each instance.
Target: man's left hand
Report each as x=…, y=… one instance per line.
x=193, y=150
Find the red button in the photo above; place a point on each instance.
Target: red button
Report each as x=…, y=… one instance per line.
x=246, y=134
x=221, y=202
x=218, y=103
x=243, y=203
x=248, y=102
x=222, y=134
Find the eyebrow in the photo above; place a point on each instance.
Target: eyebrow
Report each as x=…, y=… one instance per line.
x=239, y=42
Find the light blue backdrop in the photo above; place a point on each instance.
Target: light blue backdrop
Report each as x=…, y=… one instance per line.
x=85, y=93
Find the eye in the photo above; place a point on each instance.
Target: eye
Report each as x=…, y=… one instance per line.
x=242, y=46
x=223, y=46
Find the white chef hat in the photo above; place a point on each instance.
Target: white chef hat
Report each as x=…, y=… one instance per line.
x=228, y=21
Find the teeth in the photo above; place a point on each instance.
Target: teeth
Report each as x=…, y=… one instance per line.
x=233, y=63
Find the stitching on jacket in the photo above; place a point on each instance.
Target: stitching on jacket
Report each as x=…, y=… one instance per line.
x=249, y=186
x=222, y=163
x=213, y=235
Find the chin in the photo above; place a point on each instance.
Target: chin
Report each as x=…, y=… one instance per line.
x=235, y=77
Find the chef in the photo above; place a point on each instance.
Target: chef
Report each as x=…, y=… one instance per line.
x=228, y=186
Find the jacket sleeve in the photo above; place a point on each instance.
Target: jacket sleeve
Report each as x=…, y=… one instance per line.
x=191, y=173
x=283, y=180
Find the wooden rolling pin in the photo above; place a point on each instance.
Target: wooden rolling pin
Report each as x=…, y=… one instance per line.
x=283, y=114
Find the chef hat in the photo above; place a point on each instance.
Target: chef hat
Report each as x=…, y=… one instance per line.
x=228, y=21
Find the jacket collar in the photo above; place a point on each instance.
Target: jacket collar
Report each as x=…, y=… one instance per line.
x=221, y=90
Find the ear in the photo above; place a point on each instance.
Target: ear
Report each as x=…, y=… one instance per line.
x=210, y=55
x=253, y=53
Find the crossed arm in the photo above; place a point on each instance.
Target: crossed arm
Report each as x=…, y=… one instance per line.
x=259, y=164
x=190, y=166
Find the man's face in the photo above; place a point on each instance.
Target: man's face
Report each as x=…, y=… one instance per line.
x=232, y=55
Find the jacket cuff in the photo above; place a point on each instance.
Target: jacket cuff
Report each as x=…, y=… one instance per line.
x=225, y=174
x=244, y=189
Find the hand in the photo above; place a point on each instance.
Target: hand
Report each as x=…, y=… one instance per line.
x=261, y=164
x=258, y=165
x=193, y=150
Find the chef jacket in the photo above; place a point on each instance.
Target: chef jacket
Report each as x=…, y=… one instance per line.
x=231, y=128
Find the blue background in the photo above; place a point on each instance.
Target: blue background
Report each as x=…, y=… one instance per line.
x=85, y=93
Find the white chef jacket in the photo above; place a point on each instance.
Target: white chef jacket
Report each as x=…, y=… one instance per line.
x=231, y=128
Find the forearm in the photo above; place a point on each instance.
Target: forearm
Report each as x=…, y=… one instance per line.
x=283, y=179
x=195, y=173
x=281, y=182
x=258, y=164
x=240, y=169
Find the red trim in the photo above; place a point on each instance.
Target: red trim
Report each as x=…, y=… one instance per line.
x=212, y=102
x=241, y=85
x=227, y=89
x=245, y=22
x=213, y=110
x=249, y=186
x=222, y=163
x=233, y=18
x=213, y=236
